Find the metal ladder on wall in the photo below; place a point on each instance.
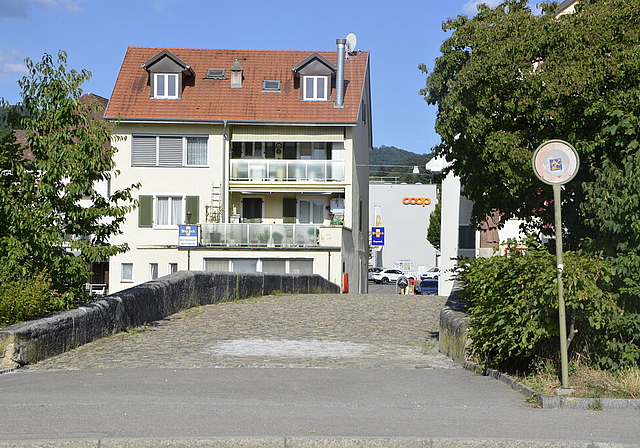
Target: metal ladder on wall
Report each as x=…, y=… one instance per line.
x=214, y=209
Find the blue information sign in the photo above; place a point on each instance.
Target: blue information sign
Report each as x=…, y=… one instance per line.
x=377, y=236
x=188, y=236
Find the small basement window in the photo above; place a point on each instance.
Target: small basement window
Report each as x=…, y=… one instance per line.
x=216, y=73
x=270, y=86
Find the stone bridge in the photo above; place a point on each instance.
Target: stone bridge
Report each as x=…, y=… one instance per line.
x=314, y=329
x=284, y=330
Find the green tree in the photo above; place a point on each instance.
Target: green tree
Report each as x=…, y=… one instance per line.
x=612, y=208
x=43, y=225
x=508, y=80
x=433, y=231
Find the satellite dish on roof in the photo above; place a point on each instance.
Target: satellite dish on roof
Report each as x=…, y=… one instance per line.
x=352, y=41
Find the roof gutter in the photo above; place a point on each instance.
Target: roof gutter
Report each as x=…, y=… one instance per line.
x=229, y=122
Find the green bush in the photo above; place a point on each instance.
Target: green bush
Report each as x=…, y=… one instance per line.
x=618, y=346
x=513, y=306
x=28, y=298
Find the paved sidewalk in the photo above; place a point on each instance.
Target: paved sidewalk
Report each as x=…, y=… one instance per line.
x=323, y=330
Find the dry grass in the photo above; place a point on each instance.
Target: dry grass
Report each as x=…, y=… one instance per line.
x=588, y=382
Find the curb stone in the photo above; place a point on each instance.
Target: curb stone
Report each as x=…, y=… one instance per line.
x=311, y=442
x=547, y=402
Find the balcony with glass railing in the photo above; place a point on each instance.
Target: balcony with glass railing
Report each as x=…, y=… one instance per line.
x=259, y=235
x=260, y=170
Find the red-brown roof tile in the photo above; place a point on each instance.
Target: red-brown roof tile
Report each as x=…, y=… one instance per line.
x=214, y=99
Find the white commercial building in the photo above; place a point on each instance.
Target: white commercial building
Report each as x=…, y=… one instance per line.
x=403, y=211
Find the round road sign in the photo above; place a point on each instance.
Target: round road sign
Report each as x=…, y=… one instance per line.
x=555, y=162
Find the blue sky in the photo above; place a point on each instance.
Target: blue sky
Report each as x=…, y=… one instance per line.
x=95, y=34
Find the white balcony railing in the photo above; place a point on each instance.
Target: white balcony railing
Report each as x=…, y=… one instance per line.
x=259, y=235
x=259, y=170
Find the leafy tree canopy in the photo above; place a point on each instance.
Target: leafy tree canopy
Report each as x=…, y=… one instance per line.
x=43, y=225
x=433, y=230
x=508, y=80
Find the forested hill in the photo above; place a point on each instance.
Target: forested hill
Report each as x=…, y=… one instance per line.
x=398, y=163
x=388, y=155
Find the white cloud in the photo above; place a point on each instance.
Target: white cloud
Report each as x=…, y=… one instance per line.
x=11, y=64
x=161, y=6
x=471, y=7
x=19, y=9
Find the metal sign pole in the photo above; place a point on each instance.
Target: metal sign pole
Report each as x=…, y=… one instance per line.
x=556, y=162
x=564, y=361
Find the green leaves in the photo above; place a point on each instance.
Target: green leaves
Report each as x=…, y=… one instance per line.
x=433, y=231
x=513, y=305
x=42, y=217
x=508, y=80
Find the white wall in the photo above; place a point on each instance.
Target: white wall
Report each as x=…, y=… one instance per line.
x=449, y=232
x=405, y=224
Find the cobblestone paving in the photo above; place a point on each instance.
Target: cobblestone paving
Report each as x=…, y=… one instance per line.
x=321, y=331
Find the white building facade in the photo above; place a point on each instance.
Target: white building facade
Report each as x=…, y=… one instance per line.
x=258, y=153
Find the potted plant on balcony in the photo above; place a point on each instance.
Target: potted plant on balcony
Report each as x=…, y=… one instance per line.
x=313, y=235
x=277, y=238
x=264, y=237
x=214, y=215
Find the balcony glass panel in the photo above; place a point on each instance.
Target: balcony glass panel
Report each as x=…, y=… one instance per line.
x=306, y=235
x=335, y=170
x=277, y=170
x=240, y=170
x=257, y=170
x=259, y=235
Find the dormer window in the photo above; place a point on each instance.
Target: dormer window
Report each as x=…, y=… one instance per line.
x=315, y=73
x=167, y=75
x=165, y=85
x=315, y=88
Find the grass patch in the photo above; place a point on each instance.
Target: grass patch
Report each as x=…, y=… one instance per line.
x=588, y=382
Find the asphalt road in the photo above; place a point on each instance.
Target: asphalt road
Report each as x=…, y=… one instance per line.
x=290, y=371
x=431, y=405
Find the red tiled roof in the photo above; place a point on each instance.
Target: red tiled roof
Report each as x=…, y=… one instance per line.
x=214, y=99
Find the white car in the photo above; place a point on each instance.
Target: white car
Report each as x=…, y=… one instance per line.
x=389, y=276
x=431, y=273
x=372, y=272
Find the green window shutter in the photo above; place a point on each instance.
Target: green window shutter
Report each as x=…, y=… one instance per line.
x=145, y=211
x=193, y=206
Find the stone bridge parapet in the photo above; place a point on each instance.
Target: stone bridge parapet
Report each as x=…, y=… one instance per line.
x=30, y=342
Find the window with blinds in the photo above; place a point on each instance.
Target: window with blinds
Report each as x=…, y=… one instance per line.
x=167, y=150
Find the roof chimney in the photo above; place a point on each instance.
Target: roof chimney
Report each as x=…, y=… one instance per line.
x=340, y=74
x=236, y=74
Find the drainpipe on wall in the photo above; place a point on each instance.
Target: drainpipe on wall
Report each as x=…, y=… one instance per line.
x=224, y=189
x=340, y=73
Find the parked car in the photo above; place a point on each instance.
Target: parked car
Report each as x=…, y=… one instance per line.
x=389, y=276
x=428, y=286
x=431, y=273
x=373, y=271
